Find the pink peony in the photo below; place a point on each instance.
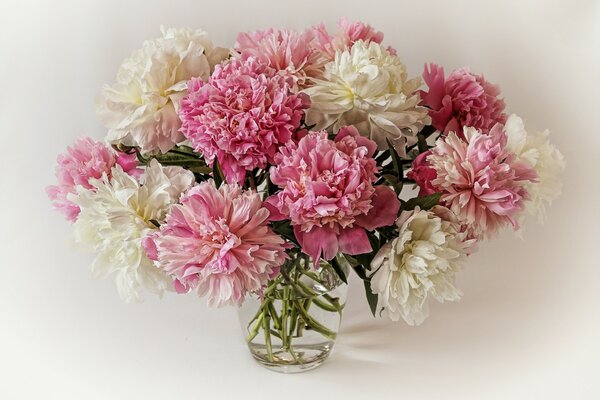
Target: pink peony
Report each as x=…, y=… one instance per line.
x=217, y=242
x=423, y=174
x=352, y=32
x=480, y=180
x=241, y=116
x=85, y=159
x=328, y=193
x=464, y=99
x=348, y=33
x=284, y=50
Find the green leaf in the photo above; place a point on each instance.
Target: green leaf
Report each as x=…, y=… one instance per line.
x=387, y=232
x=424, y=202
x=200, y=169
x=351, y=260
x=395, y=157
x=217, y=174
x=374, y=243
x=365, y=259
x=372, y=298
x=141, y=158
x=271, y=188
x=361, y=272
x=285, y=229
x=422, y=143
x=412, y=154
x=185, y=149
x=395, y=182
x=338, y=270
x=383, y=155
x=427, y=131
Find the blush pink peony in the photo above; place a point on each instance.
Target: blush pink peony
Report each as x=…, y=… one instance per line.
x=241, y=116
x=348, y=33
x=480, y=180
x=463, y=99
x=284, y=50
x=84, y=160
x=217, y=242
x=328, y=193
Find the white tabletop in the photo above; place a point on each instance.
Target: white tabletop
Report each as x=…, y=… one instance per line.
x=527, y=328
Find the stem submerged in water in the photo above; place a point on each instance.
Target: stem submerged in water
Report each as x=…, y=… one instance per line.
x=284, y=311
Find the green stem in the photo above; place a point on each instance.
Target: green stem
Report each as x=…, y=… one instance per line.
x=293, y=322
x=301, y=324
x=260, y=311
x=274, y=316
x=334, y=305
x=313, y=324
x=267, y=331
x=296, y=298
x=325, y=306
x=256, y=328
x=284, y=311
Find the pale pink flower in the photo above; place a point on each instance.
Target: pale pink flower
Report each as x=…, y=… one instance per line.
x=354, y=31
x=84, y=160
x=348, y=33
x=284, y=50
x=480, y=180
x=241, y=116
x=463, y=99
x=328, y=193
x=217, y=242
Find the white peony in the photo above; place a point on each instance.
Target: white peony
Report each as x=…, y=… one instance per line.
x=116, y=215
x=547, y=161
x=140, y=108
x=367, y=87
x=418, y=264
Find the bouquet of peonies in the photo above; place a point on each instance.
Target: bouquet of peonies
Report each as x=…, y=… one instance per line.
x=258, y=176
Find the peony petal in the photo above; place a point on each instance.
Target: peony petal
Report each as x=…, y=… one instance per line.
x=271, y=204
x=180, y=287
x=320, y=241
x=149, y=246
x=384, y=212
x=351, y=131
x=434, y=78
x=354, y=241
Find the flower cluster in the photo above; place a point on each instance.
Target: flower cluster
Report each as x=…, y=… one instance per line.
x=85, y=160
x=241, y=116
x=367, y=86
x=140, y=108
x=420, y=263
x=217, y=242
x=328, y=193
x=463, y=99
x=290, y=52
x=480, y=179
x=117, y=213
x=304, y=55
x=232, y=172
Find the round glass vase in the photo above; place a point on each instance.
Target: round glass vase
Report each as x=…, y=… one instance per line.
x=293, y=325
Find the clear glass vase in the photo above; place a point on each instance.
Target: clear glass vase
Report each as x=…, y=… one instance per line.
x=293, y=325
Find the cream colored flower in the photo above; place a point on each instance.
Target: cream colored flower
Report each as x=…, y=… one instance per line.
x=420, y=263
x=116, y=215
x=140, y=108
x=547, y=161
x=368, y=87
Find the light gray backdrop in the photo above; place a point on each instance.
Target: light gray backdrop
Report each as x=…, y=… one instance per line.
x=528, y=326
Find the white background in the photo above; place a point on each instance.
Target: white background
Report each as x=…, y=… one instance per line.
x=527, y=328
